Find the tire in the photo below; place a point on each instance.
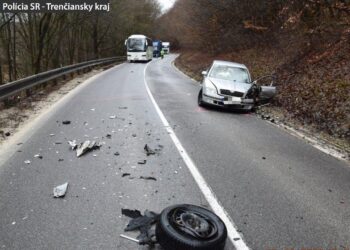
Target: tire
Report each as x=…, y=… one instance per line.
x=200, y=98
x=171, y=236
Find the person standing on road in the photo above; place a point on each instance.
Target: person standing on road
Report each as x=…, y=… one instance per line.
x=162, y=53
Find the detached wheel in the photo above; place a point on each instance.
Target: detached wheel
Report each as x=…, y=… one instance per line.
x=189, y=227
x=200, y=98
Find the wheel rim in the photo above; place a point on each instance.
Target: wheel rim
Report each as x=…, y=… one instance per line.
x=192, y=223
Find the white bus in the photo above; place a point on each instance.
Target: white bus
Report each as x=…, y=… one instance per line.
x=139, y=48
x=166, y=47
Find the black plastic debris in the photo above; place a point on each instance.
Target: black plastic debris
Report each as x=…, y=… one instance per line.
x=60, y=160
x=116, y=154
x=148, y=178
x=60, y=191
x=109, y=136
x=125, y=175
x=131, y=213
x=143, y=223
x=134, y=135
x=66, y=122
x=143, y=162
x=149, y=151
x=7, y=134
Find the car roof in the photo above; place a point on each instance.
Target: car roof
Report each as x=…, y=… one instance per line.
x=233, y=64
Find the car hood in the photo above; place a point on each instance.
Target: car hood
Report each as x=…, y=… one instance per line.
x=230, y=85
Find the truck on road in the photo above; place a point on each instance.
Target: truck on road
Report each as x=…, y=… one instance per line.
x=157, y=47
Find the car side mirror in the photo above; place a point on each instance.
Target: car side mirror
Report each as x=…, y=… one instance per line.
x=204, y=73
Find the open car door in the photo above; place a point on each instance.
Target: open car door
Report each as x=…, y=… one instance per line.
x=267, y=90
x=267, y=93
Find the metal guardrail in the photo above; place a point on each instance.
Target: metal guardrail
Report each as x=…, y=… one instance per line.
x=11, y=88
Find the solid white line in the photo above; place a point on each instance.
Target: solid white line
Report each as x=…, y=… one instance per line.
x=203, y=185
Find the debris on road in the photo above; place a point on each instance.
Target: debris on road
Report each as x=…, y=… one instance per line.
x=123, y=107
x=38, y=156
x=129, y=238
x=7, y=134
x=113, y=117
x=178, y=227
x=87, y=146
x=131, y=213
x=126, y=174
x=60, y=191
x=143, y=223
x=66, y=122
x=73, y=144
x=109, y=136
x=149, y=151
x=143, y=162
x=134, y=135
x=116, y=154
x=27, y=162
x=148, y=178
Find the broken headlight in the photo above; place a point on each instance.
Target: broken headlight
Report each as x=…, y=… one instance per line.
x=209, y=89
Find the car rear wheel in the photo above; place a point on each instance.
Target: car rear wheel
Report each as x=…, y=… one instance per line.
x=190, y=227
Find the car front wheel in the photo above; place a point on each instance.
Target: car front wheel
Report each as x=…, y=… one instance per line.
x=200, y=98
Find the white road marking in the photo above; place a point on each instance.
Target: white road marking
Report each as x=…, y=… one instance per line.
x=203, y=185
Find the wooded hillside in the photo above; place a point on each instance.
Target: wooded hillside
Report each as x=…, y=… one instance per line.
x=305, y=43
x=34, y=42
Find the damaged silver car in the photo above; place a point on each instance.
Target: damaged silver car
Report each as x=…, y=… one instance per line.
x=229, y=84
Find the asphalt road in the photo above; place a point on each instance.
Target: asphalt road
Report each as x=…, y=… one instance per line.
x=280, y=192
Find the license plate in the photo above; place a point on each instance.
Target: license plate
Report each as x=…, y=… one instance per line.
x=235, y=99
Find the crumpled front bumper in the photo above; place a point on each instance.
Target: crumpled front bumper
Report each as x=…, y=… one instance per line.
x=229, y=102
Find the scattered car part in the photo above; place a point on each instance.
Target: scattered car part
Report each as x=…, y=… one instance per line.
x=143, y=223
x=66, y=122
x=38, y=156
x=143, y=162
x=190, y=227
x=129, y=238
x=87, y=146
x=149, y=151
x=73, y=144
x=126, y=174
x=60, y=191
x=148, y=178
x=131, y=213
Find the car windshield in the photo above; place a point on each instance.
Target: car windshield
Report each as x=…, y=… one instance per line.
x=230, y=73
x=136, y=45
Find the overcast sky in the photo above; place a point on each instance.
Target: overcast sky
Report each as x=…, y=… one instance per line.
x=166, y=4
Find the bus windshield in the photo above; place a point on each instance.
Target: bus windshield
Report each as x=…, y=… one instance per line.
x=136, y=44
